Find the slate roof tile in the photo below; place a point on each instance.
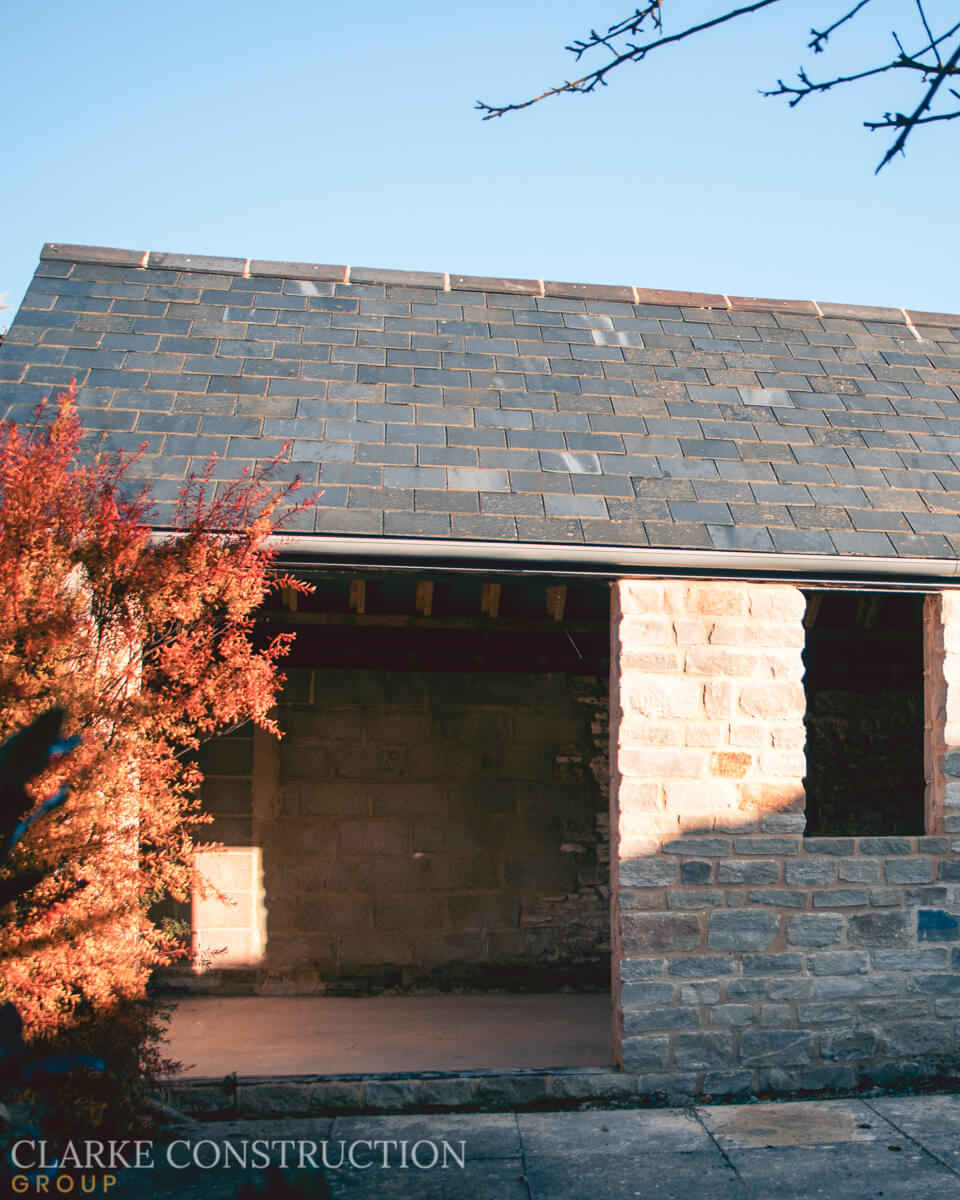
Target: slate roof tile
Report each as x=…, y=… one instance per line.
x=450, y=406
x=740, y=537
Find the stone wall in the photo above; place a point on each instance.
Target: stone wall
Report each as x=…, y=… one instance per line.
x=749, y=958
x=434, y=829
x=415, y=829
x=941, y=690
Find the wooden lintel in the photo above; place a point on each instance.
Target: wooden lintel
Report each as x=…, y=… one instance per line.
x=814, y=600
x=358, y=595
x=425, y=597
x=490, y=599
x=556, y=601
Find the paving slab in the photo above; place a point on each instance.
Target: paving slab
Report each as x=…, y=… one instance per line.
x=851, y=1171
x=484, y=1180
x=932, y=1122
x=803, y=1124
x=167, y=1184
x=486, y=1135
x=614, y=1134
x=295, y=1129
x=684, y=1176
x=894, y=1148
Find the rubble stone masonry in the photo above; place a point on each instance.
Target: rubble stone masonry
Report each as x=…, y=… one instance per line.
x=748, y=959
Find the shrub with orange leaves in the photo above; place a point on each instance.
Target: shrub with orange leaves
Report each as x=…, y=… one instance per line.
x=146, y=642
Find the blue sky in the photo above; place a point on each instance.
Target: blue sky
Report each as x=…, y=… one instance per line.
x=324, y=132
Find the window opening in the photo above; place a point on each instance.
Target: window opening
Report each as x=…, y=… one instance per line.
x=863, y=677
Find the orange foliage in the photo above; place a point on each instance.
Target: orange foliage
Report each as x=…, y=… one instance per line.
x=146, y=642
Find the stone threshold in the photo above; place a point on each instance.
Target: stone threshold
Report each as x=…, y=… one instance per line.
x=268, y=1097
x=240, y=1097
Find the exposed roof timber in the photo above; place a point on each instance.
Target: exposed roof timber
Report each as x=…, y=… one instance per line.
x=425, y=597
x=490, y=599
x=615, y=563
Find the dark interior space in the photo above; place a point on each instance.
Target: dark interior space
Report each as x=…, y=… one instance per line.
x=435, y=818
x=863, y=660
x=456, y=622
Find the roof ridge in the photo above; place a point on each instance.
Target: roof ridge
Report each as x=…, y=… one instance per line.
x=445, y=281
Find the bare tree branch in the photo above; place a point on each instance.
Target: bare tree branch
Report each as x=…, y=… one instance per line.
x=913, y=62
x=632, y=54
x=808, y=87
x=908, y=124
x=928, y=62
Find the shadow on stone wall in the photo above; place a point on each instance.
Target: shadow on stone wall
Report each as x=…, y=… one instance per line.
x=756, y=961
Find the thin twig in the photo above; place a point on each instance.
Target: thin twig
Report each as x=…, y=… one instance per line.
x=809, y=88
x=587, y=83
x=628, y=25
x=898, y=121
x=916, y=117
x=820, y=39
x=923, y=18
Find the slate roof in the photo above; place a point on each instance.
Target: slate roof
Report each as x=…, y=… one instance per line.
x=446, y=406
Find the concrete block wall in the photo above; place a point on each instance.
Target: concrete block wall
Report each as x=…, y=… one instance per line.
x=418, y=829
x=748, y=958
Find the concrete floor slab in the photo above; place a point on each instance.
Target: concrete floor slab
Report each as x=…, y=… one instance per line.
x=319, y=1035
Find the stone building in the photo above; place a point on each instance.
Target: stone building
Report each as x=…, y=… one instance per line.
x=604, y=576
